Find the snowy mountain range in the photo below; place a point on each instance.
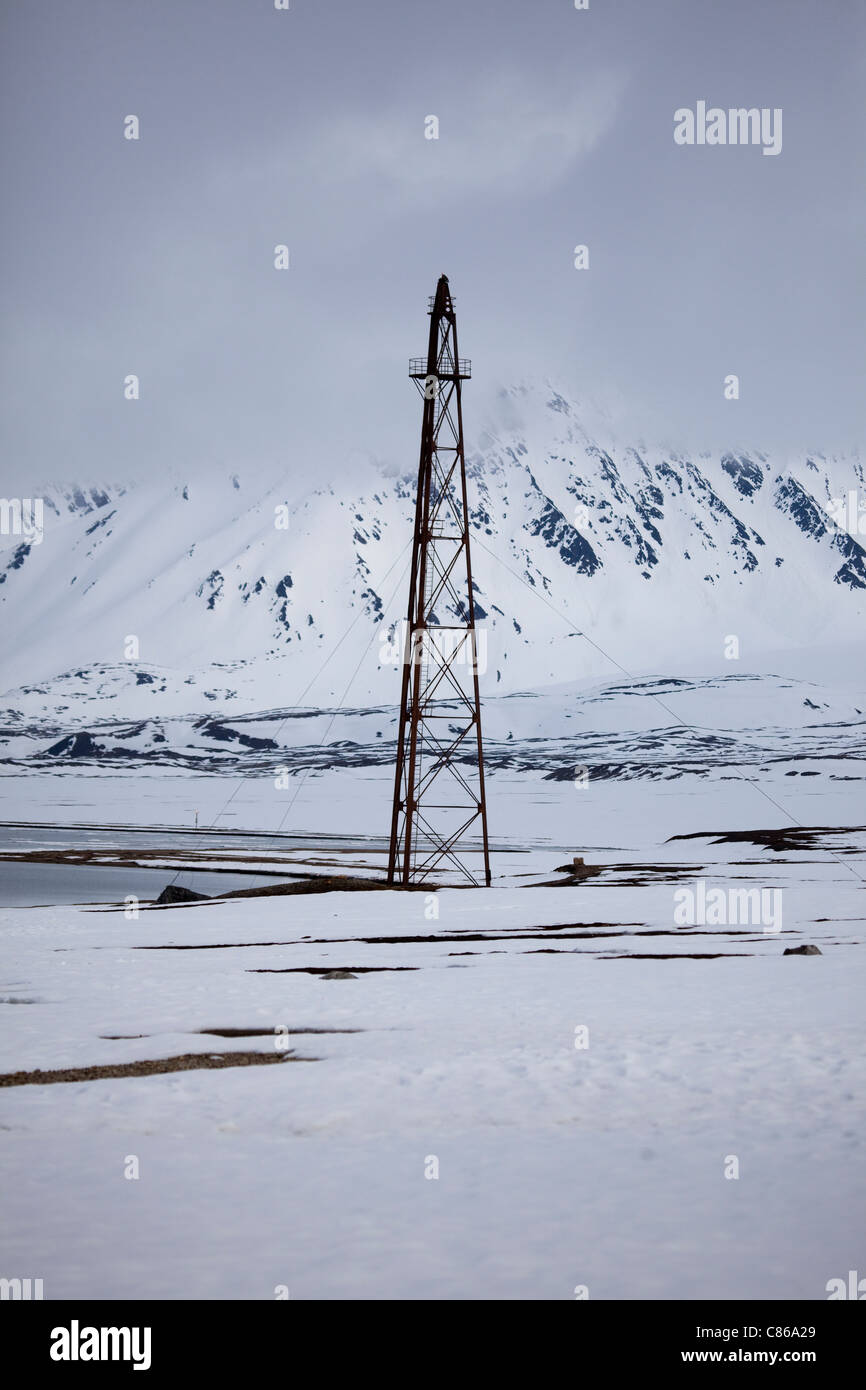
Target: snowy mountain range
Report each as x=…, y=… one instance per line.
x=590, y=558
x=642, y=729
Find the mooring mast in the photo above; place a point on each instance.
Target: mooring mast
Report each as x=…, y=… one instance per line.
x=439, y=778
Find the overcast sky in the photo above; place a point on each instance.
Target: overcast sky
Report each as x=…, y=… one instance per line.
x=307, y=127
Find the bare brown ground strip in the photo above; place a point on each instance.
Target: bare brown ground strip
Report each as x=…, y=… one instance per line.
x=321, y=883
x=331, y=969
x=187, y=1061
x=150, y=858
x=789, y=838
x=680, y=955
x=271, y=1032
x=237, y=1033
x=193, y=861
x=564, y=932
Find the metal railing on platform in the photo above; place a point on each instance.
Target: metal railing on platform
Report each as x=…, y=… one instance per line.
x=446, y=371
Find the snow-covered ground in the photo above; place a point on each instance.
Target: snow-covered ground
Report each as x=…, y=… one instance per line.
x=523, y=1090
x=559, y=1165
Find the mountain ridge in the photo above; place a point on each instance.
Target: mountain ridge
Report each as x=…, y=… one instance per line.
x=647, y=553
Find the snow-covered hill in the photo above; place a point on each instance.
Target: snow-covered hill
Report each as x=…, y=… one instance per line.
x=659, y=559
x=647, y=729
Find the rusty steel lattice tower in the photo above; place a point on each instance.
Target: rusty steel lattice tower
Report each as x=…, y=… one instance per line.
x=440, y=813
